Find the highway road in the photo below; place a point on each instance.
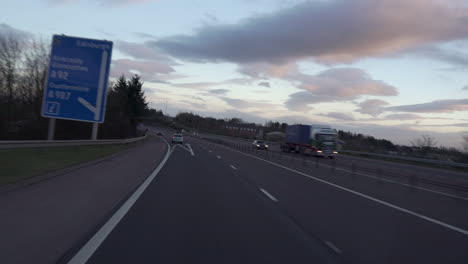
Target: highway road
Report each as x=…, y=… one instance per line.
x=422, y=177
x=214, y=204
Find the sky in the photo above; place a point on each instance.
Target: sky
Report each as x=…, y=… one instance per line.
x=393, y=69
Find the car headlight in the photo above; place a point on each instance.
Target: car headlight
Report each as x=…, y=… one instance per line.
x=266, y=146
x=319, y=151
x=335, y=152
x=258, y=145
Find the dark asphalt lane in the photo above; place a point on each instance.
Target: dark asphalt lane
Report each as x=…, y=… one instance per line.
x=364, y=230
x=391, y=170
x=199, y=210
x=40, y=222
x=444, y=208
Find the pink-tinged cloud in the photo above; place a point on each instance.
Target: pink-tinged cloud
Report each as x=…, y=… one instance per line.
x=339, y=116
x=344, y=83
x=373, y=107
x=266, y=70
x=336, y=85
x=334, y=31
x=142, y=51
x=149, y=70
x=438, y=106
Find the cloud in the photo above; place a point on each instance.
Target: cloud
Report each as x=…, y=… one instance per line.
x=141, y=51
x=261, y=91
x=14, y=33
x=438, y=106
x=459, y=60
x=465, y=88
x=265, y=70
x=103, y=2
x=333, y=31
x=402, y=117
x=194, y=104
x=264, y=84
x=144, y=35
x=336, y=85
x=219, y=91
x=339, y=116
x=249, y=104
x=149, y=70
x=372, y=107
x=300, y=101
x=236, y=103
x=345, y=83
x=196, y=85
x=448, y=125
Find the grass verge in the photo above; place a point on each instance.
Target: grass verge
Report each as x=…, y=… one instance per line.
x=20, y=164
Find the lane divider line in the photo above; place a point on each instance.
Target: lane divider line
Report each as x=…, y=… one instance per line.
x=333, y=247
x=190, y=149
x=234, y=168
x=398, y=208
x=91, y=246
x=387, y=180
x=269, y=195
x=218, y=157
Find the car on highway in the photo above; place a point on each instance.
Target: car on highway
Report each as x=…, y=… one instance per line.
x=178, y=138
x=258, y=144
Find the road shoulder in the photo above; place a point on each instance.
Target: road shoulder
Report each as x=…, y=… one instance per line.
x=61, y=211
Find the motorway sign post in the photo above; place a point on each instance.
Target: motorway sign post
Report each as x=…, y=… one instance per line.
x=76, y=82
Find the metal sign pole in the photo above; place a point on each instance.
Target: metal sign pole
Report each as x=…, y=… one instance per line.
x=51, y=129
x=95, y=131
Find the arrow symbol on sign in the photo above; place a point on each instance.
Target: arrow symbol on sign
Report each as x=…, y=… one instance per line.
x=97, y=109
x=87, y=104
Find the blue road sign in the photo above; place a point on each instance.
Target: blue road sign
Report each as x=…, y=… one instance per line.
x=76, y=83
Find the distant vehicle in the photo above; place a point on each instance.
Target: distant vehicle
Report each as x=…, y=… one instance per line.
x=178, y=138
x=159, y=133
x=314, y=140
x=258, y=144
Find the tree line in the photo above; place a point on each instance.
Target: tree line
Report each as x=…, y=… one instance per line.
x=424, y=146
x=23, y=68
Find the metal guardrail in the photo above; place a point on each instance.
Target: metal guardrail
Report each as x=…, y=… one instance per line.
x=429, y=161
x=15, y=144
x=411, y=180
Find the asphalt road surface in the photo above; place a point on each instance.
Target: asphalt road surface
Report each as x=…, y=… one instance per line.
x=213, y=204
x=40, y=222
x=437, y=179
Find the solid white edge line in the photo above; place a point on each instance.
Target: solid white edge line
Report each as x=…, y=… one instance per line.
x=332, y=246
x=387, y=180
x=269, y=195
x=234, y=168
x=90, y=247
x=427, y=218
x=218, y=157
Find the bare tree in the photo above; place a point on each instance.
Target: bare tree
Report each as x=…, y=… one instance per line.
x=424, y=142
x=465, y=143
x=10, y=58
x=34, y=72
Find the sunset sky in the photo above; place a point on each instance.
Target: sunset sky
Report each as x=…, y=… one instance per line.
x=394, y=69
